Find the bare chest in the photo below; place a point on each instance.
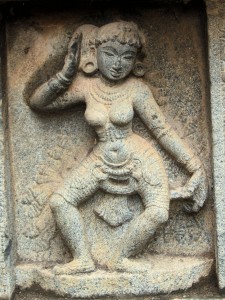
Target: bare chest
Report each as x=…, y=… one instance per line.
x=109, y=106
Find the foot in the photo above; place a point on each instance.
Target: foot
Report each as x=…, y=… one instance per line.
x=75, y=266
x=129, y=266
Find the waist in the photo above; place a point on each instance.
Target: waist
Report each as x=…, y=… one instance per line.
x=112, y=134
x=117, y=178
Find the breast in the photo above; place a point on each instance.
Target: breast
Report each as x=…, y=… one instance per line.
x=121, y=113
x=96, y=115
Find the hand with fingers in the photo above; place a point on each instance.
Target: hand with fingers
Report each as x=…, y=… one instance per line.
x=196, y=189
x=73, y=57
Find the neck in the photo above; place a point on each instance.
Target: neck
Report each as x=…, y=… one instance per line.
x=111, y=82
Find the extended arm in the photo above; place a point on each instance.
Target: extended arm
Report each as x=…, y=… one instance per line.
x=149, y=112
x=58, y=91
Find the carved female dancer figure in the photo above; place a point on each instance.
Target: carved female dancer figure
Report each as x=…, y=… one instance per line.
x=121, y=162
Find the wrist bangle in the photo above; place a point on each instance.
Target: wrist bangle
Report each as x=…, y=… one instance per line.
x=63, y=79
x=58, y=83
x=193, y=164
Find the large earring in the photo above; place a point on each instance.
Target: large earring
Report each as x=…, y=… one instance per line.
x=139, y=69
x=89, y=66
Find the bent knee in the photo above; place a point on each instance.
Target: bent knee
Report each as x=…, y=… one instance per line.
x=158, y=215
x=56, y=202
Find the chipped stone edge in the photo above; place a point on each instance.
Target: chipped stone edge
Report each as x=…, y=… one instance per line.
x=216, y=48
x=103, y=283
x=215, y=65
x=7, y=278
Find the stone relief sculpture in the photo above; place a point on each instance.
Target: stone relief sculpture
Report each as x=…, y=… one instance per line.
x=103, y=68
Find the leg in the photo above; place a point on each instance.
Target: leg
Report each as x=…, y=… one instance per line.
x=76, y=189
x=139, y=232
x=154, y=192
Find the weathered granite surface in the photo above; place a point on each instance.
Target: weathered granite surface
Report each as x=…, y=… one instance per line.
x=164, y=275
x=180, y=88
x=216, y=31
x=7, y=279
x=59, y=141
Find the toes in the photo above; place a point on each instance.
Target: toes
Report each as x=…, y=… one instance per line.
x=73, y=268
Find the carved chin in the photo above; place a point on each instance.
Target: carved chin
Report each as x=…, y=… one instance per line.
x=116, y=75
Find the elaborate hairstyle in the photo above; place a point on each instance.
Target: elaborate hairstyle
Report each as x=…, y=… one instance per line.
x=123, y=32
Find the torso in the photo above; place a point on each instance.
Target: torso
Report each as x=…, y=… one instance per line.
x=110, y=112
x=120, y=156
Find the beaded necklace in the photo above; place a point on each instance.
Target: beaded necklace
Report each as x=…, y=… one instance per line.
x=109, y=94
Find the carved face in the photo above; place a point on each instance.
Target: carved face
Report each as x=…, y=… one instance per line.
x=116, y=60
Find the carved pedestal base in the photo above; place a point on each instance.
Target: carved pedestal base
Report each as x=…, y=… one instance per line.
x=166, y=274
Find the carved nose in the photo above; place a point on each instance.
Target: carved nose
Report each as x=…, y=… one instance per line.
x=117, y=65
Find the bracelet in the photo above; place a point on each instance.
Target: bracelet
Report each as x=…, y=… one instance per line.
x=58, y=83
x=63, y=79
x=193, y=164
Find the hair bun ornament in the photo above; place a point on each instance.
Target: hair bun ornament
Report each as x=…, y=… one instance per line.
x=88, y=61
x=139, y=69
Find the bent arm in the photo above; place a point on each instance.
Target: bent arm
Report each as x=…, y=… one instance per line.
x=56, y=93
x=52, y=94
x=151, y=115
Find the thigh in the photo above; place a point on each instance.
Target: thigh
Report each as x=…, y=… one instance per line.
x=80, y=183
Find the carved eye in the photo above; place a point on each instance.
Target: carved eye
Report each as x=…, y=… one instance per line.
x=128, y=57
x=108, y=53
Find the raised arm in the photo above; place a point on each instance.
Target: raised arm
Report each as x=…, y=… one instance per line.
x=59, y=92
x=151, y=115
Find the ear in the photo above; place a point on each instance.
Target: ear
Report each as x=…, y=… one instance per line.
x=89, y=66
x=139, y=69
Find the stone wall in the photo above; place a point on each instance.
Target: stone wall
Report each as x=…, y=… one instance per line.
x=33, y=144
